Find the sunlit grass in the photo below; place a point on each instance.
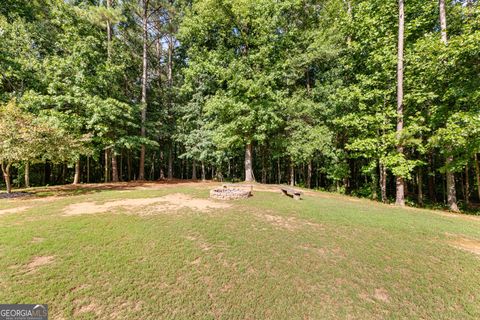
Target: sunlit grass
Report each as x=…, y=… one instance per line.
x=267, y=257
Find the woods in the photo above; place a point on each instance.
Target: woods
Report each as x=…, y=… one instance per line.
x=372, y=98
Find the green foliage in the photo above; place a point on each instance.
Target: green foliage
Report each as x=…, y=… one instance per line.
x=308, y=83
x=24, y=137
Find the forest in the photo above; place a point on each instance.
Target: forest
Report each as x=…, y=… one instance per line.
x=372, y=98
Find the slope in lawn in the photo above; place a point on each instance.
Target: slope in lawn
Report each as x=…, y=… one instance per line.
x=170, y=252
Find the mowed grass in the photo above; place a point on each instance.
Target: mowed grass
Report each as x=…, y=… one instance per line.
x=267, y=257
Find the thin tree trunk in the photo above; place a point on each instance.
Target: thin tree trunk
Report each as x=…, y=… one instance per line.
x=374, y=184
x=194, y=170
x=152, y=168
x=141, y=172
x=109, y=55
x=349, y=14
x=279, y=171
x=420, y=186
x=64, y=173
x=129, y=167
x=109, y=33
x=292, y=174
x=170, y=162
x=451, y=190
x=400, y=194
x=27, y=174
x=162, y=173
x=6, y=176
x=105, y=173
x=88, y=169
x=114, y=167
x=120, y=170
x=76, y=177
x=467, y=186
x=264, y=168
x=309, y=174
x=443, y=21
x=431, y=180
x=203, y=171
x=477, y=174
x=383, y=183
x=249, y=163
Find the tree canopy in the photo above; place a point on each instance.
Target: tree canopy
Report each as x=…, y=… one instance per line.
x=353, y=96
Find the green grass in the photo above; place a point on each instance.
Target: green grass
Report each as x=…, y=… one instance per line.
x=267, y=257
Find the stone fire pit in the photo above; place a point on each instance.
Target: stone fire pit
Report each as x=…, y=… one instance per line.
x=229, y=193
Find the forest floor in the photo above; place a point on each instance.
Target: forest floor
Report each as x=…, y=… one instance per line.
x=165, y=251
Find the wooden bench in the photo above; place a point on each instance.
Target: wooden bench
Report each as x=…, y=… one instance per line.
x=295, y=194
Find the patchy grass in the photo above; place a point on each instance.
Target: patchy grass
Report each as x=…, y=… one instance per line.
x=267, y=257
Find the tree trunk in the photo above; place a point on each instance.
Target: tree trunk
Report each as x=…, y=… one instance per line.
x=64, y=173
x=114, y=167
x=383, y=183
x=309, y=174
x=467, y=186
x=279, y=171
x=420, y=186
x=76, y=177
x=451, y=191
x=400, y=195
x=120, y=169
x=431, y=180
x=170, y=162
x=477, y=174
x=443, y=21
x=129, y=167
x=6, y=176
x=88, y=169
x=162, y=173
x=350, y=17
x=194, y=170
x=374, y=184
x=105, y=173
x=264, y=167
x=249, y=163
x=27, y=174
x=203, y=171
x=109, y=33
x=141, y=171
x=152, y=168
x=292, y=174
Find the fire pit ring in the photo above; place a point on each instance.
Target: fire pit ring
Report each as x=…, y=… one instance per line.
x=229, y=193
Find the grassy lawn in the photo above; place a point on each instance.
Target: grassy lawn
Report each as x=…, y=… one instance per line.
x=183, y=256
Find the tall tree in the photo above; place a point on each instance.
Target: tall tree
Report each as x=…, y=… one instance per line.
x=145, y=15
x=400, y=183
x=450, y=176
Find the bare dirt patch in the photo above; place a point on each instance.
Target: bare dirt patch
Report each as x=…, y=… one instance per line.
x=38, y=262
x=171, y=202
x=91, y=307
x=13, y=210
x=201, y=243
x=288, y=223
x=37, y=240
x=124, y=307
x=309, y=248
x=466, y=244
x=381, y=295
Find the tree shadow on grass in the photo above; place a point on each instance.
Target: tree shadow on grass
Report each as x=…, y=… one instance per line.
x=81, y=189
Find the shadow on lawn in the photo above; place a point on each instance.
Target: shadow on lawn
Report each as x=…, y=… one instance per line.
x=81, y=189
